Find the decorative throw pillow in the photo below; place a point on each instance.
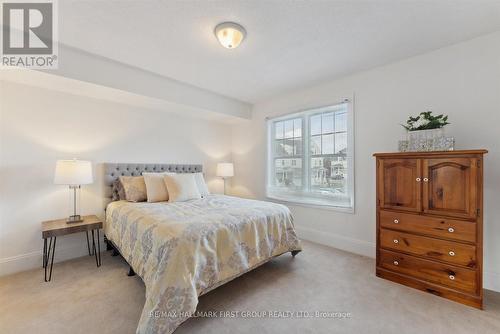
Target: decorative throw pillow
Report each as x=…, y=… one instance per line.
x=202, y=186
x=181, y=187
x=118, y=192
x=156, y=190
x=134, y=188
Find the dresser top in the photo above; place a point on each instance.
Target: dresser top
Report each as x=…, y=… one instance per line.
x=447, y=153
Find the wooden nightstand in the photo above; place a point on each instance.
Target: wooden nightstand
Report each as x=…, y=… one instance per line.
x=54, y=228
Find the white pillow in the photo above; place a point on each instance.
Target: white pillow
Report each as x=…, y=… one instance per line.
x=156, y=190
x=202, y=186
x=181, y=187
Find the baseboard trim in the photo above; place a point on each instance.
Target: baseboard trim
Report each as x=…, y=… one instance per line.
x=356, y=246
x=491, y=279
x=32, y=260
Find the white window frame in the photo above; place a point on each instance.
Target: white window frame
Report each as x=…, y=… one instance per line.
x=306, y=198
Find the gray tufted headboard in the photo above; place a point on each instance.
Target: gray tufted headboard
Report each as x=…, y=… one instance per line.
x=112, y=171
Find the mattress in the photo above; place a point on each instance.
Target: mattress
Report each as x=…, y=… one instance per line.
x=182, y=250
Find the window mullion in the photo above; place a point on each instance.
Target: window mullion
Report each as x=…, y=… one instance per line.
x=306, y=163
x=272, y=162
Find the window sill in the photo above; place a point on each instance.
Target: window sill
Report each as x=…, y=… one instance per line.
x=310, y=205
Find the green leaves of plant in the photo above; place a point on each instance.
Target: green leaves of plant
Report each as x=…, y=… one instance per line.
x=425, y=121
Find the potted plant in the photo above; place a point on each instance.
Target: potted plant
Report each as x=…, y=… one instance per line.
x=425, y=132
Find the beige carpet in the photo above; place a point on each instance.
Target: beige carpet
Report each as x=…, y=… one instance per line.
x=84, y=299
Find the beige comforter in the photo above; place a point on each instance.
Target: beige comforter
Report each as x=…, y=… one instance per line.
x=182, y=250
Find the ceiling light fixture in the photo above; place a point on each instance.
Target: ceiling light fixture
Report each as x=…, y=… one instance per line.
x=230, y=34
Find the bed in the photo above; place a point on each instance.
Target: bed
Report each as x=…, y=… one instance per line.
x=183, y=250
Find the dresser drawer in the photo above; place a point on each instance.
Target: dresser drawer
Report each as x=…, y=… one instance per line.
x=438, y=227
x=435, y=272
x=431, y=248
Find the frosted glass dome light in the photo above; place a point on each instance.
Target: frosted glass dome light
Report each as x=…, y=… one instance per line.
x=230, y=34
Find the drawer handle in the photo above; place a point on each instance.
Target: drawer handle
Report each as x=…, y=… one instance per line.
x=452, y=253
x=396, y=241
x=451, y=230
x=396, y=263
x=418, y=179
x=452, y=277
x=426, y=179
x=396, y=221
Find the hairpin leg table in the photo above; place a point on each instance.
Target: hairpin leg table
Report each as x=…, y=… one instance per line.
x=54, y=228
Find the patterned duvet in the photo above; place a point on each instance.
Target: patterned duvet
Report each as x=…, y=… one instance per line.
x=182, y=250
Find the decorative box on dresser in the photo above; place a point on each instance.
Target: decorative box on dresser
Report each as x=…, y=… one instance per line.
x=430, y=222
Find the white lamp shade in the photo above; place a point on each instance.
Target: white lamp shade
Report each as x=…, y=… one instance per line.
x=225, y=169
x=73, y=172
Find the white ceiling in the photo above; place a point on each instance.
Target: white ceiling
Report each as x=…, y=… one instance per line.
x=289, y=45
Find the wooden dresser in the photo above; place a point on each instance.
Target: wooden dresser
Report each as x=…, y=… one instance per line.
x=430, y=222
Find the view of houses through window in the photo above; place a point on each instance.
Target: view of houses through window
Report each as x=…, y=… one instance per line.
x=328, y=148
x=310, y=153
x=289, y=153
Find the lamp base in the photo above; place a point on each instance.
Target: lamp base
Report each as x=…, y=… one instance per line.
x=74, y=219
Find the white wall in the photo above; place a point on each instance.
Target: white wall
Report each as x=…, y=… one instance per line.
x=84, y=66
x=39, y=126
x=462, y=81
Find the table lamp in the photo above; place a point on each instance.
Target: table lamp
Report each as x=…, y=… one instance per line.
x=73, y=173
x=225, y=170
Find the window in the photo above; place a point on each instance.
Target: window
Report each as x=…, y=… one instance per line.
x=310, y=157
